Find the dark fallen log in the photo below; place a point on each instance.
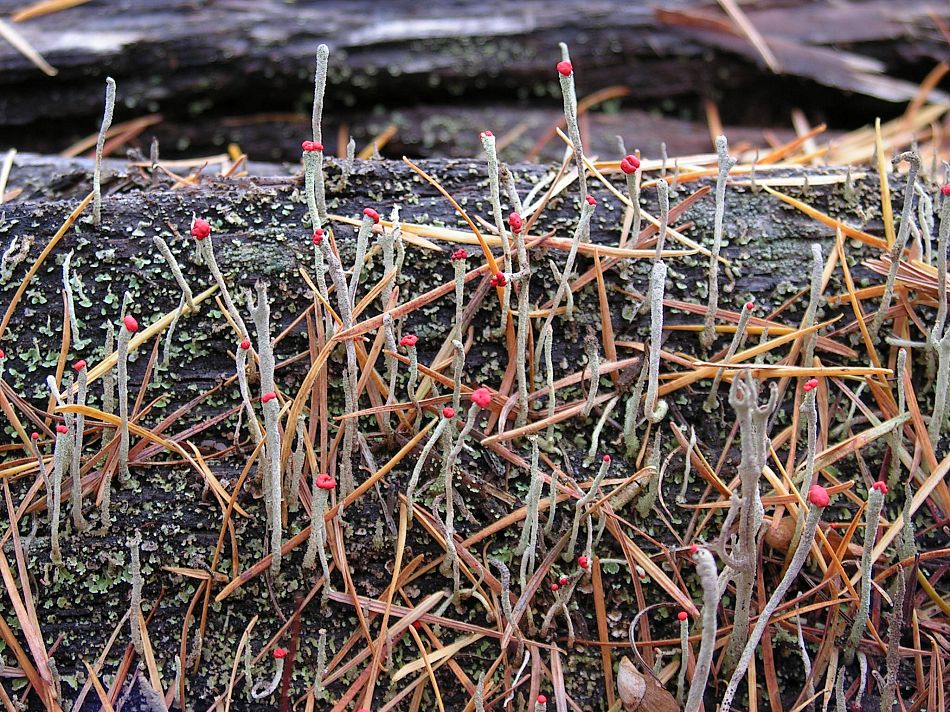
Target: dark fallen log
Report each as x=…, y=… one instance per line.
x=260, y=233
x=193, y=61
x=451, y=131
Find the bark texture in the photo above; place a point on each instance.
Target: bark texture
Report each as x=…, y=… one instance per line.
x=260, y=233
x=192, y=62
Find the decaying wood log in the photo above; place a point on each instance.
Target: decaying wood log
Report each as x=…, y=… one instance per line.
x=260, y=233
x=193, y=60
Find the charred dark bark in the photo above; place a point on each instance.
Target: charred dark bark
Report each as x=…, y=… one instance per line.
x=197, y=61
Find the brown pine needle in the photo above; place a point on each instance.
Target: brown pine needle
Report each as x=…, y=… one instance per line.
x=44, y=7
x=887, y=212
x=828, y=220
x=752, y=34
x=21, y=45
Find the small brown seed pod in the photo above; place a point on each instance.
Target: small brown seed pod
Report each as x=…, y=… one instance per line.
x=642, y=693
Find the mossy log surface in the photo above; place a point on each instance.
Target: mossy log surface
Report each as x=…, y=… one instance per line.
x=261, y=233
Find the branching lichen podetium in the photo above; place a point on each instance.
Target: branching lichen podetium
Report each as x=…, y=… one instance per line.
x=79, y=424
x=753, y=423
x=129, y=327
x=319, y=88
x=580, y=508
x=564, y=285
x=135, y=607
x=708, y=578
x=630, y=165
x=818, y=499
x=688, y=464
x=632, y=409
x=494, y=189
x=260, y=313
x=726, y=162
x=593, y=362
x=872, y=515
x=939, y=339
x=446, y=417
x=651, y=491
x=297, y=460
x=265, y=688
x=683, y=618
x=481, y=398
x=898, y=247
x=896, y=435
x=523, y=281
x=351, y=376
x=70, y=300
x=201, y=231
x=529, y=534
x=655, y=408
x=565, y=71
x=100, y=145
x=734, y=345
x=817, y=265
x=392, y=369
x=370, y=218
x=888, y=684
x=55, y=497
x=323, y=484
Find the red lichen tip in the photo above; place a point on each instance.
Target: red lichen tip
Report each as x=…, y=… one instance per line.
x=818, y=496
x=515, y=223
x=459, y=254
x=591, y=200
x=448, y=412
x=3, y=354
x=311, y=146
x=750, y=305
x=317, y=236
x=62, y=429
x=486, y=134
x=880, y=487
x=563, y=581
x=945, y=190
x=693, y=548
x=554, y=587
x=35, y=436
x=371, y=214
x=542, y=700
x=325, y=482
x=200, y=228
x=682, y=615
x=245, y=344
x=810, y=385
x=499, y=280
x=79, y=365
x=268, y=397
x=629, y=164
x=565, y=69
x=130, y=324
x=583, y=562
x=409, y=340
x=606, y=458
x=481, y=397
x=280, y=653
